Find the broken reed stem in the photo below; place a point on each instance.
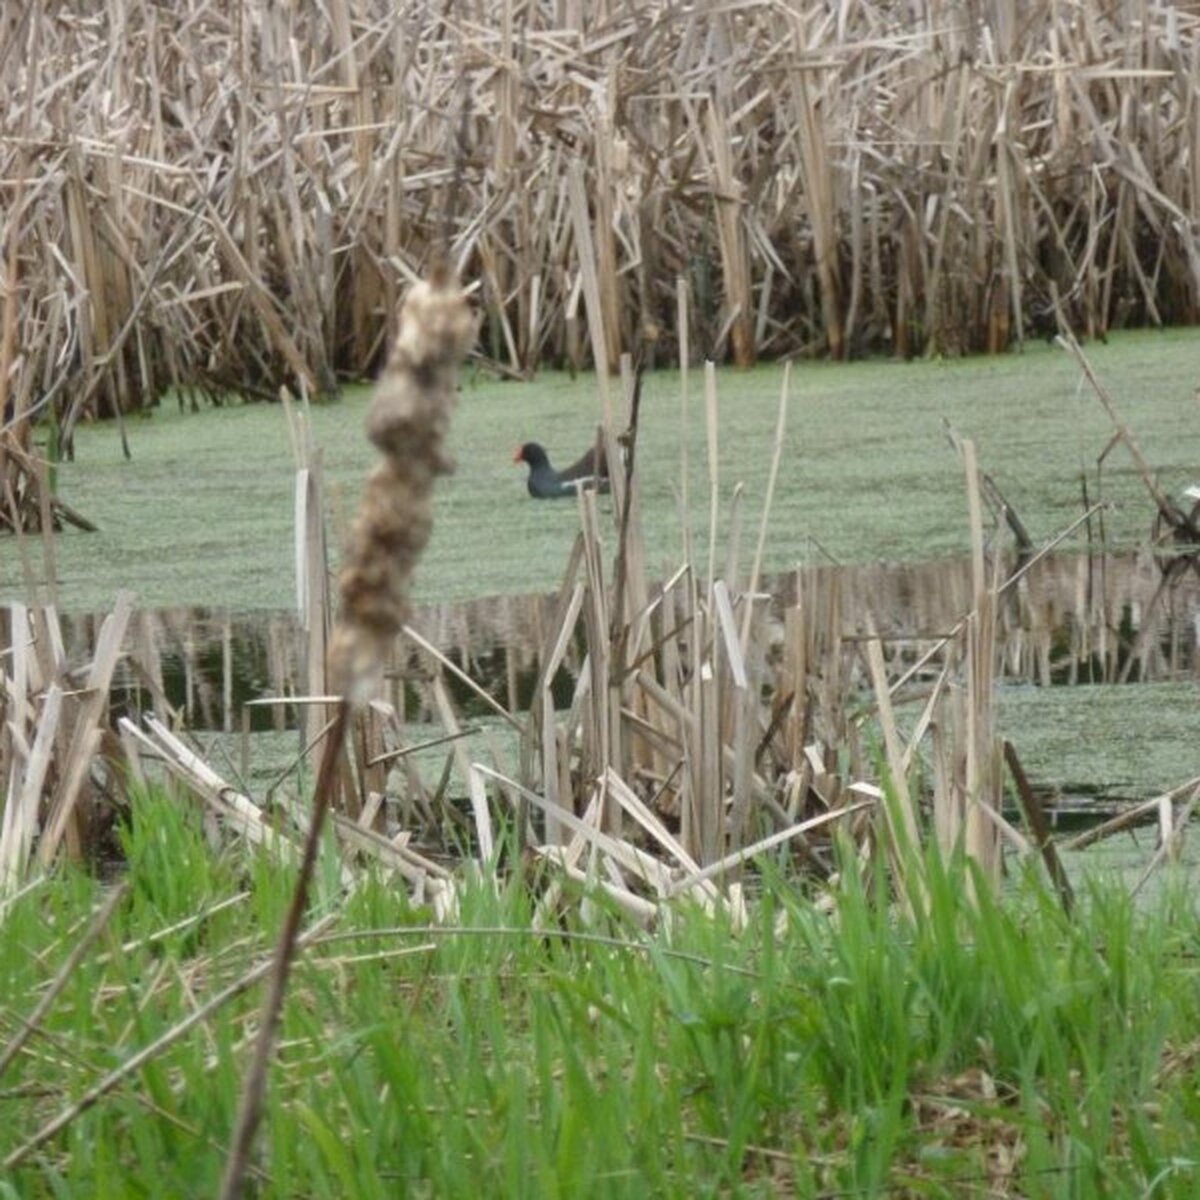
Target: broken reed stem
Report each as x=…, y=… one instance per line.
x=772, y=476
x=1126, y=819
x=1035, y=816
x=8, y=316
x=1165, y=505
x=681, y=323
x=619, y=630
x=407, y=421
x=1171, y=840
x=982, y=781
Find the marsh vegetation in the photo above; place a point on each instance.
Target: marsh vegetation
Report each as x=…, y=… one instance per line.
x=582, y=909
x=1003, y=1048
x=745, y=870
x=234, y=201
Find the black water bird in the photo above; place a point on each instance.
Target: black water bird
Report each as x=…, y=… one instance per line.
x=545, y=483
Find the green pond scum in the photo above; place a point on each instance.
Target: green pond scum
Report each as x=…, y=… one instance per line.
x=202, y=513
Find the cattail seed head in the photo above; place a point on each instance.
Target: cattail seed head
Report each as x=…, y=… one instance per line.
x=407, y=421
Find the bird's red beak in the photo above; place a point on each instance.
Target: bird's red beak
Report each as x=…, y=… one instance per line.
x=517, y=455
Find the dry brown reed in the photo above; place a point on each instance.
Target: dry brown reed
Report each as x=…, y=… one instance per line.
x=799, y=749
x=233, y=198
x=56, y=752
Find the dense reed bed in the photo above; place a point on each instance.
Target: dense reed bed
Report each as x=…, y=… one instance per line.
x=233, y=198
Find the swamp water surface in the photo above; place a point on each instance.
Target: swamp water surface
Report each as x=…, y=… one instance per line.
x=1072, y=625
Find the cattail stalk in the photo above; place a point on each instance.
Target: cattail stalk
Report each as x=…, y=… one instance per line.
x=407, y=421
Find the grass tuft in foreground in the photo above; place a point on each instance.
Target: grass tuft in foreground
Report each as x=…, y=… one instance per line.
x=986, y=1048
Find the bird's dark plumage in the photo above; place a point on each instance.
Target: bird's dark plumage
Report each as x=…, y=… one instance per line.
x=545, y=483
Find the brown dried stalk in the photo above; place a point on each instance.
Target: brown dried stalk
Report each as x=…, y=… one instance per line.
x=407, y=420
